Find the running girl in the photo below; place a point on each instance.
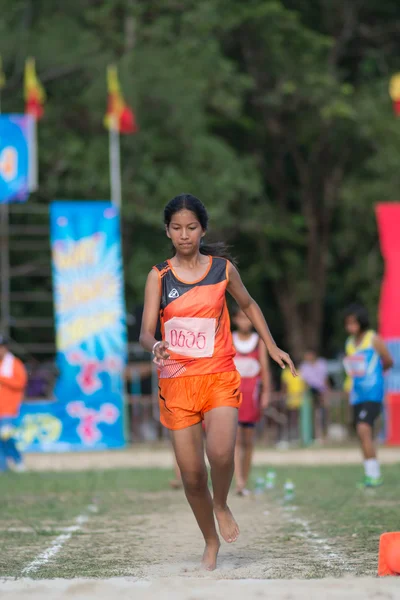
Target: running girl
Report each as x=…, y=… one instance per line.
x=197, y=375
x=252, y=363
x=367, y=359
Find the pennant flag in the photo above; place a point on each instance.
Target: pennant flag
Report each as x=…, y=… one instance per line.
x=119, y=115
x=34, y=92
x=2, y=75
x=394, y=91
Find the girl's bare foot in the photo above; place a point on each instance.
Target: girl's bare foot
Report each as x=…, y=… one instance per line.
x=176, y=484
x=209, y=561
x=228, y=527
x=243, y=492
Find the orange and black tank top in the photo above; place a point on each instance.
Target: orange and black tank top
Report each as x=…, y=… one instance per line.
x=195, y=322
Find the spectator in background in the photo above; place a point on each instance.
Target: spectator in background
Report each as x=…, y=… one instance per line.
x=367, y=359
x=13, y=381
x=292, y=389
x=252, y=363
x=314, y=371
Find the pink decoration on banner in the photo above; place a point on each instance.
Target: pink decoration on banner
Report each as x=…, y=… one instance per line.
x=90, y=368
x=87, y=429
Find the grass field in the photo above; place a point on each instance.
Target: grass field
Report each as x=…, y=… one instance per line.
x=131, y=524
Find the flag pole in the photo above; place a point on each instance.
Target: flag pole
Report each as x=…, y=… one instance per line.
x=115, y=163
x=33, y=157
x=5, y=265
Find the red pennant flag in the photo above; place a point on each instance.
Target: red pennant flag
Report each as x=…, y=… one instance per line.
x=33, y=91
x=119, y=115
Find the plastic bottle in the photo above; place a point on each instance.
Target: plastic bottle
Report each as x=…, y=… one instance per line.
x=260, y=484
x=270, y=480
x=289, y=490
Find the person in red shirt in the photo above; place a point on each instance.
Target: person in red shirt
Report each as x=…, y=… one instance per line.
x=252, y=363
x=13, y=379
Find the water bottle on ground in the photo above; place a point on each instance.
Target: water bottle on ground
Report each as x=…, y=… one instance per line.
x=260, y=484
x=270, y=480
x=289, y=491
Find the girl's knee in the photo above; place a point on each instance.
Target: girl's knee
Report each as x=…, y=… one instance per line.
x=195, y=481
x=221, y=458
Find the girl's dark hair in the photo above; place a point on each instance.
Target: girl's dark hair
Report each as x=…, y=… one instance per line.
x=189, y=202
x=361, y=315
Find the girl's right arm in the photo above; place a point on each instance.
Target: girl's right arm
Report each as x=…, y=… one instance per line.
x=152, y=299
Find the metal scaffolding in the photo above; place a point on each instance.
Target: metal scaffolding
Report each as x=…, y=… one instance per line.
x=25, y=278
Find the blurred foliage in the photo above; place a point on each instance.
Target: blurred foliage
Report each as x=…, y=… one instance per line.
x=274, y=112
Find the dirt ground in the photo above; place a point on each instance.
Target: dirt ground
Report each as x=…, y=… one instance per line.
x=200, y=589
x=278, y=556
x=146, y=457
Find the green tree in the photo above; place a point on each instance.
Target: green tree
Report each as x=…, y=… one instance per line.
x=274, y=112
x=312, y=125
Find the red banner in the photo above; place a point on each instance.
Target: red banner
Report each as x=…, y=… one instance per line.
x=388, y=217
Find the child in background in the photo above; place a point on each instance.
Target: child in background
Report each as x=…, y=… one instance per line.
x=252, y=363
x=314, y=371
x=292, y=389
x=367, y=358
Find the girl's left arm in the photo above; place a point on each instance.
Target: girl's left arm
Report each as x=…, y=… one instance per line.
x=265, y=375
x=383, y=352
x=253, y=311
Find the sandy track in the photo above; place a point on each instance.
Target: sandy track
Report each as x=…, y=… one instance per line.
x=145, y=457
x=200, y=589
x=278, y=555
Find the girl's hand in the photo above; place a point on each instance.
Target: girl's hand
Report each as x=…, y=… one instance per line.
x=283, y=359
x=160, y=351
x=264, y=400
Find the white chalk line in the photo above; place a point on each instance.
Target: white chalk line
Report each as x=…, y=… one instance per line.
x=320, y=546
x=44, y=557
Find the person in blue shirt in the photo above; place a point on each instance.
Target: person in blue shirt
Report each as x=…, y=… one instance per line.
x=367, y=358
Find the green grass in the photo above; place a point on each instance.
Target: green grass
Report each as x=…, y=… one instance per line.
x=36, y=506
x=41, y=504
x=349, y=518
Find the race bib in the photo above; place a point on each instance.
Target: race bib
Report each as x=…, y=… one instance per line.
x=355, y=366
x=188, y=336
x=247, y=366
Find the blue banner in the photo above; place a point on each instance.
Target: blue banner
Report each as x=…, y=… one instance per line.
x=15, y=139
x=90, y=333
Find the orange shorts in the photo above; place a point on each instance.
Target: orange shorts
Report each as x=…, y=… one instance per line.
x=184, y=400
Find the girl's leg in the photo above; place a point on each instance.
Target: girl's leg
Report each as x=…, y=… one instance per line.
x=371, y=464
x=189, y=452
x=176, y=483
x=239, y=461
x=221, y=425
x=248, y=447
x=365, y=435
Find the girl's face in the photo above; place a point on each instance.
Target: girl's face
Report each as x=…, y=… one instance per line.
x=242, y=322
x=352, y=326
x=185, y=232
